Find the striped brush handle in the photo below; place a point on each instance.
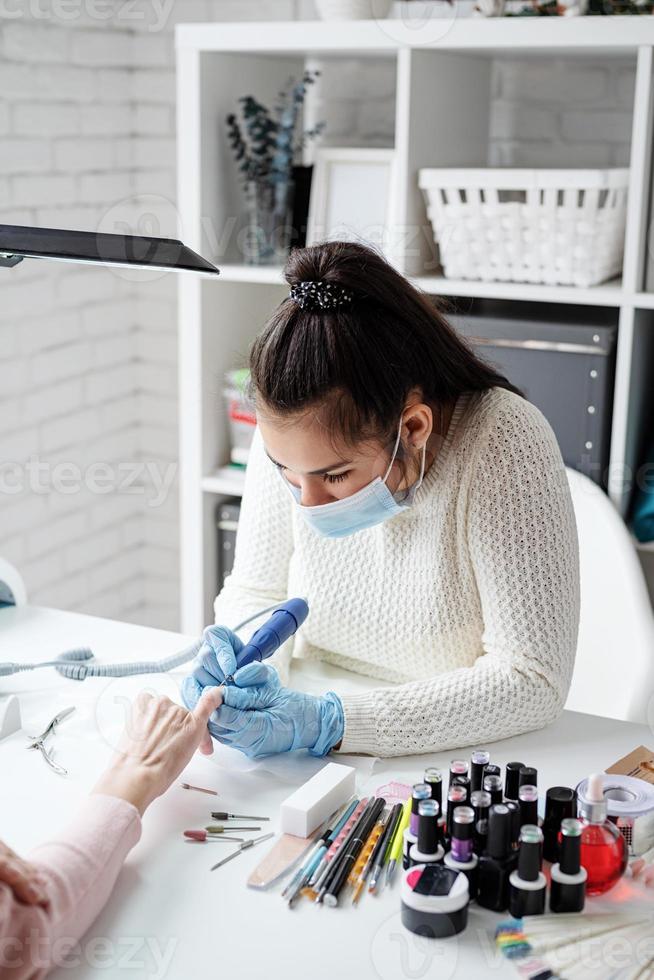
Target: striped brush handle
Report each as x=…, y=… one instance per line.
x=336, y=846
x=365, y=852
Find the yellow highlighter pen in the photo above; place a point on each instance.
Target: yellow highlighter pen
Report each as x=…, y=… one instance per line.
x=396, y=845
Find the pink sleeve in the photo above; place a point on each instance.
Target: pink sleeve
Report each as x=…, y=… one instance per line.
x=80, y=866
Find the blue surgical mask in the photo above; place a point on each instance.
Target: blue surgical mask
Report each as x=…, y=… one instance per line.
x=370, y=505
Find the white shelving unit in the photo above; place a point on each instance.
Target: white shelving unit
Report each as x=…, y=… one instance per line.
x=442, y=102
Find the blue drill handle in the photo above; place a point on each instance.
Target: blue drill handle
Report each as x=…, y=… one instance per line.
x=269, y=637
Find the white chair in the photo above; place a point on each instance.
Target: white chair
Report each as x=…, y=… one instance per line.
x=614, y=668
x=12, y=587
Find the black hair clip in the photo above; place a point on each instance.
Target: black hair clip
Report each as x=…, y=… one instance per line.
x=320, y=295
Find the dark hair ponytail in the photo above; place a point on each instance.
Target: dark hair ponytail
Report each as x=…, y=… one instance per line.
x=362, y=358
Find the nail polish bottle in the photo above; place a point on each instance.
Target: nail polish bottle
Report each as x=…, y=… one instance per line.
x=478, y=762
x=421, y=791
x=568, y=885
x=498, y=861
x=603, y=848
x=560, y=805
x=428, y=849
x=528, y=796
x=461, y=856
x=512, y=781
x=481, y=803
x=434, y=778
x=527, y=882
x=456, y=796
x=516, y=822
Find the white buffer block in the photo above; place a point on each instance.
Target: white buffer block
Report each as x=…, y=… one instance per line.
x=317, y=799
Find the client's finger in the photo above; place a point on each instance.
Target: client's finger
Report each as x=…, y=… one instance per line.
x=212, y=698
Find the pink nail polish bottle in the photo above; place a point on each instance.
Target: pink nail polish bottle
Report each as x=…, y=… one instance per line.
x=603, y=848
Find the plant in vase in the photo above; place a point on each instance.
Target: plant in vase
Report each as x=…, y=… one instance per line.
x=265, y=145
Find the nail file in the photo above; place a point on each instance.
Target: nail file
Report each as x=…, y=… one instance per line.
x=283, y=855
x=310, y=805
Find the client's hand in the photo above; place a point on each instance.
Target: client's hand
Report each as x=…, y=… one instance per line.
x=26, y=881
x=265, y=718
x=158, y=742
x=215, y=661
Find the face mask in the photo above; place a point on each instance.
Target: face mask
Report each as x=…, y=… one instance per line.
x=370, y=505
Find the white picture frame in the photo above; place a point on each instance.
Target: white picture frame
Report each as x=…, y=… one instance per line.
x=351, y=196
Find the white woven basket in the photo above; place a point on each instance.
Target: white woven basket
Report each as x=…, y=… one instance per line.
x=561, y=227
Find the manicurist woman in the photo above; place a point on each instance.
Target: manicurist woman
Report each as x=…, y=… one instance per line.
x=419, y=503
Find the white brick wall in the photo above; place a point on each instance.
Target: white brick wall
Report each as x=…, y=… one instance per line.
x=567, y=112
x=88, y=357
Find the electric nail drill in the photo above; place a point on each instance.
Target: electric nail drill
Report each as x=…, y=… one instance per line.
x=268, y=638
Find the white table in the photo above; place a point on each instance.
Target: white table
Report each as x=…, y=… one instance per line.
x=168, y=916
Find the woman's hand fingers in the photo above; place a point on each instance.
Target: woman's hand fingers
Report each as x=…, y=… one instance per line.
x=254, y=674
x=248, y=698
x=206, y=743
x=23, y=878
x=217, y=657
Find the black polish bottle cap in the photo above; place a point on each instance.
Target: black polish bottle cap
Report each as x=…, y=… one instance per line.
x=456, y=796
x=478, y=762
x=531, y=841
x=462, y=781
x=428, y=832
x=528, y=804
x=528, y=776
x=463, y=823
x=498, y=844
x=570, y=860
x=492, y=770
x=481, y=801
x=516, y=820
x=434, y=779
x=512, y=781
x=493, y=785
x=560, y=804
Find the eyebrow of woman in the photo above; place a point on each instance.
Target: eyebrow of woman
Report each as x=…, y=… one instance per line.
x=320, y=472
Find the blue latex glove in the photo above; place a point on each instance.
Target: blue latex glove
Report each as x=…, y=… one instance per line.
x=215, y=660
x=265, y=718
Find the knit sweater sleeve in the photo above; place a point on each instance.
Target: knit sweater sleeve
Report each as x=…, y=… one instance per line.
x=521, y=537
x=264, y=545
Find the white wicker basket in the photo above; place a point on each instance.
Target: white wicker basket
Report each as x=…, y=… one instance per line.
x=561, y=227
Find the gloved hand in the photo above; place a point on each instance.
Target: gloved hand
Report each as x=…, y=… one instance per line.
x=215, y=661
x=265, y=718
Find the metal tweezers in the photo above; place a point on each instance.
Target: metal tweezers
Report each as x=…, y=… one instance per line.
x=39, y=740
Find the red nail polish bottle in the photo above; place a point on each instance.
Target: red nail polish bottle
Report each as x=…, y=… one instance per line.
x=603, y=848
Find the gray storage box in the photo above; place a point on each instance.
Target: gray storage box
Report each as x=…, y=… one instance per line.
x=565, y=369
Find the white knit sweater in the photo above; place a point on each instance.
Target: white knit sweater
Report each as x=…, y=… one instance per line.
x=468, y=600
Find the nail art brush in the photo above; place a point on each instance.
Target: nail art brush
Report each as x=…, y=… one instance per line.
x=381, y=855
x=242, y=847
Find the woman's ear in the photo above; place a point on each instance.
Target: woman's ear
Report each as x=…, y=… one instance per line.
x=419, y=420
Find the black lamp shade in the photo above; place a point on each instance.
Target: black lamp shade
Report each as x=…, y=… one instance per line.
x=135, y=251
